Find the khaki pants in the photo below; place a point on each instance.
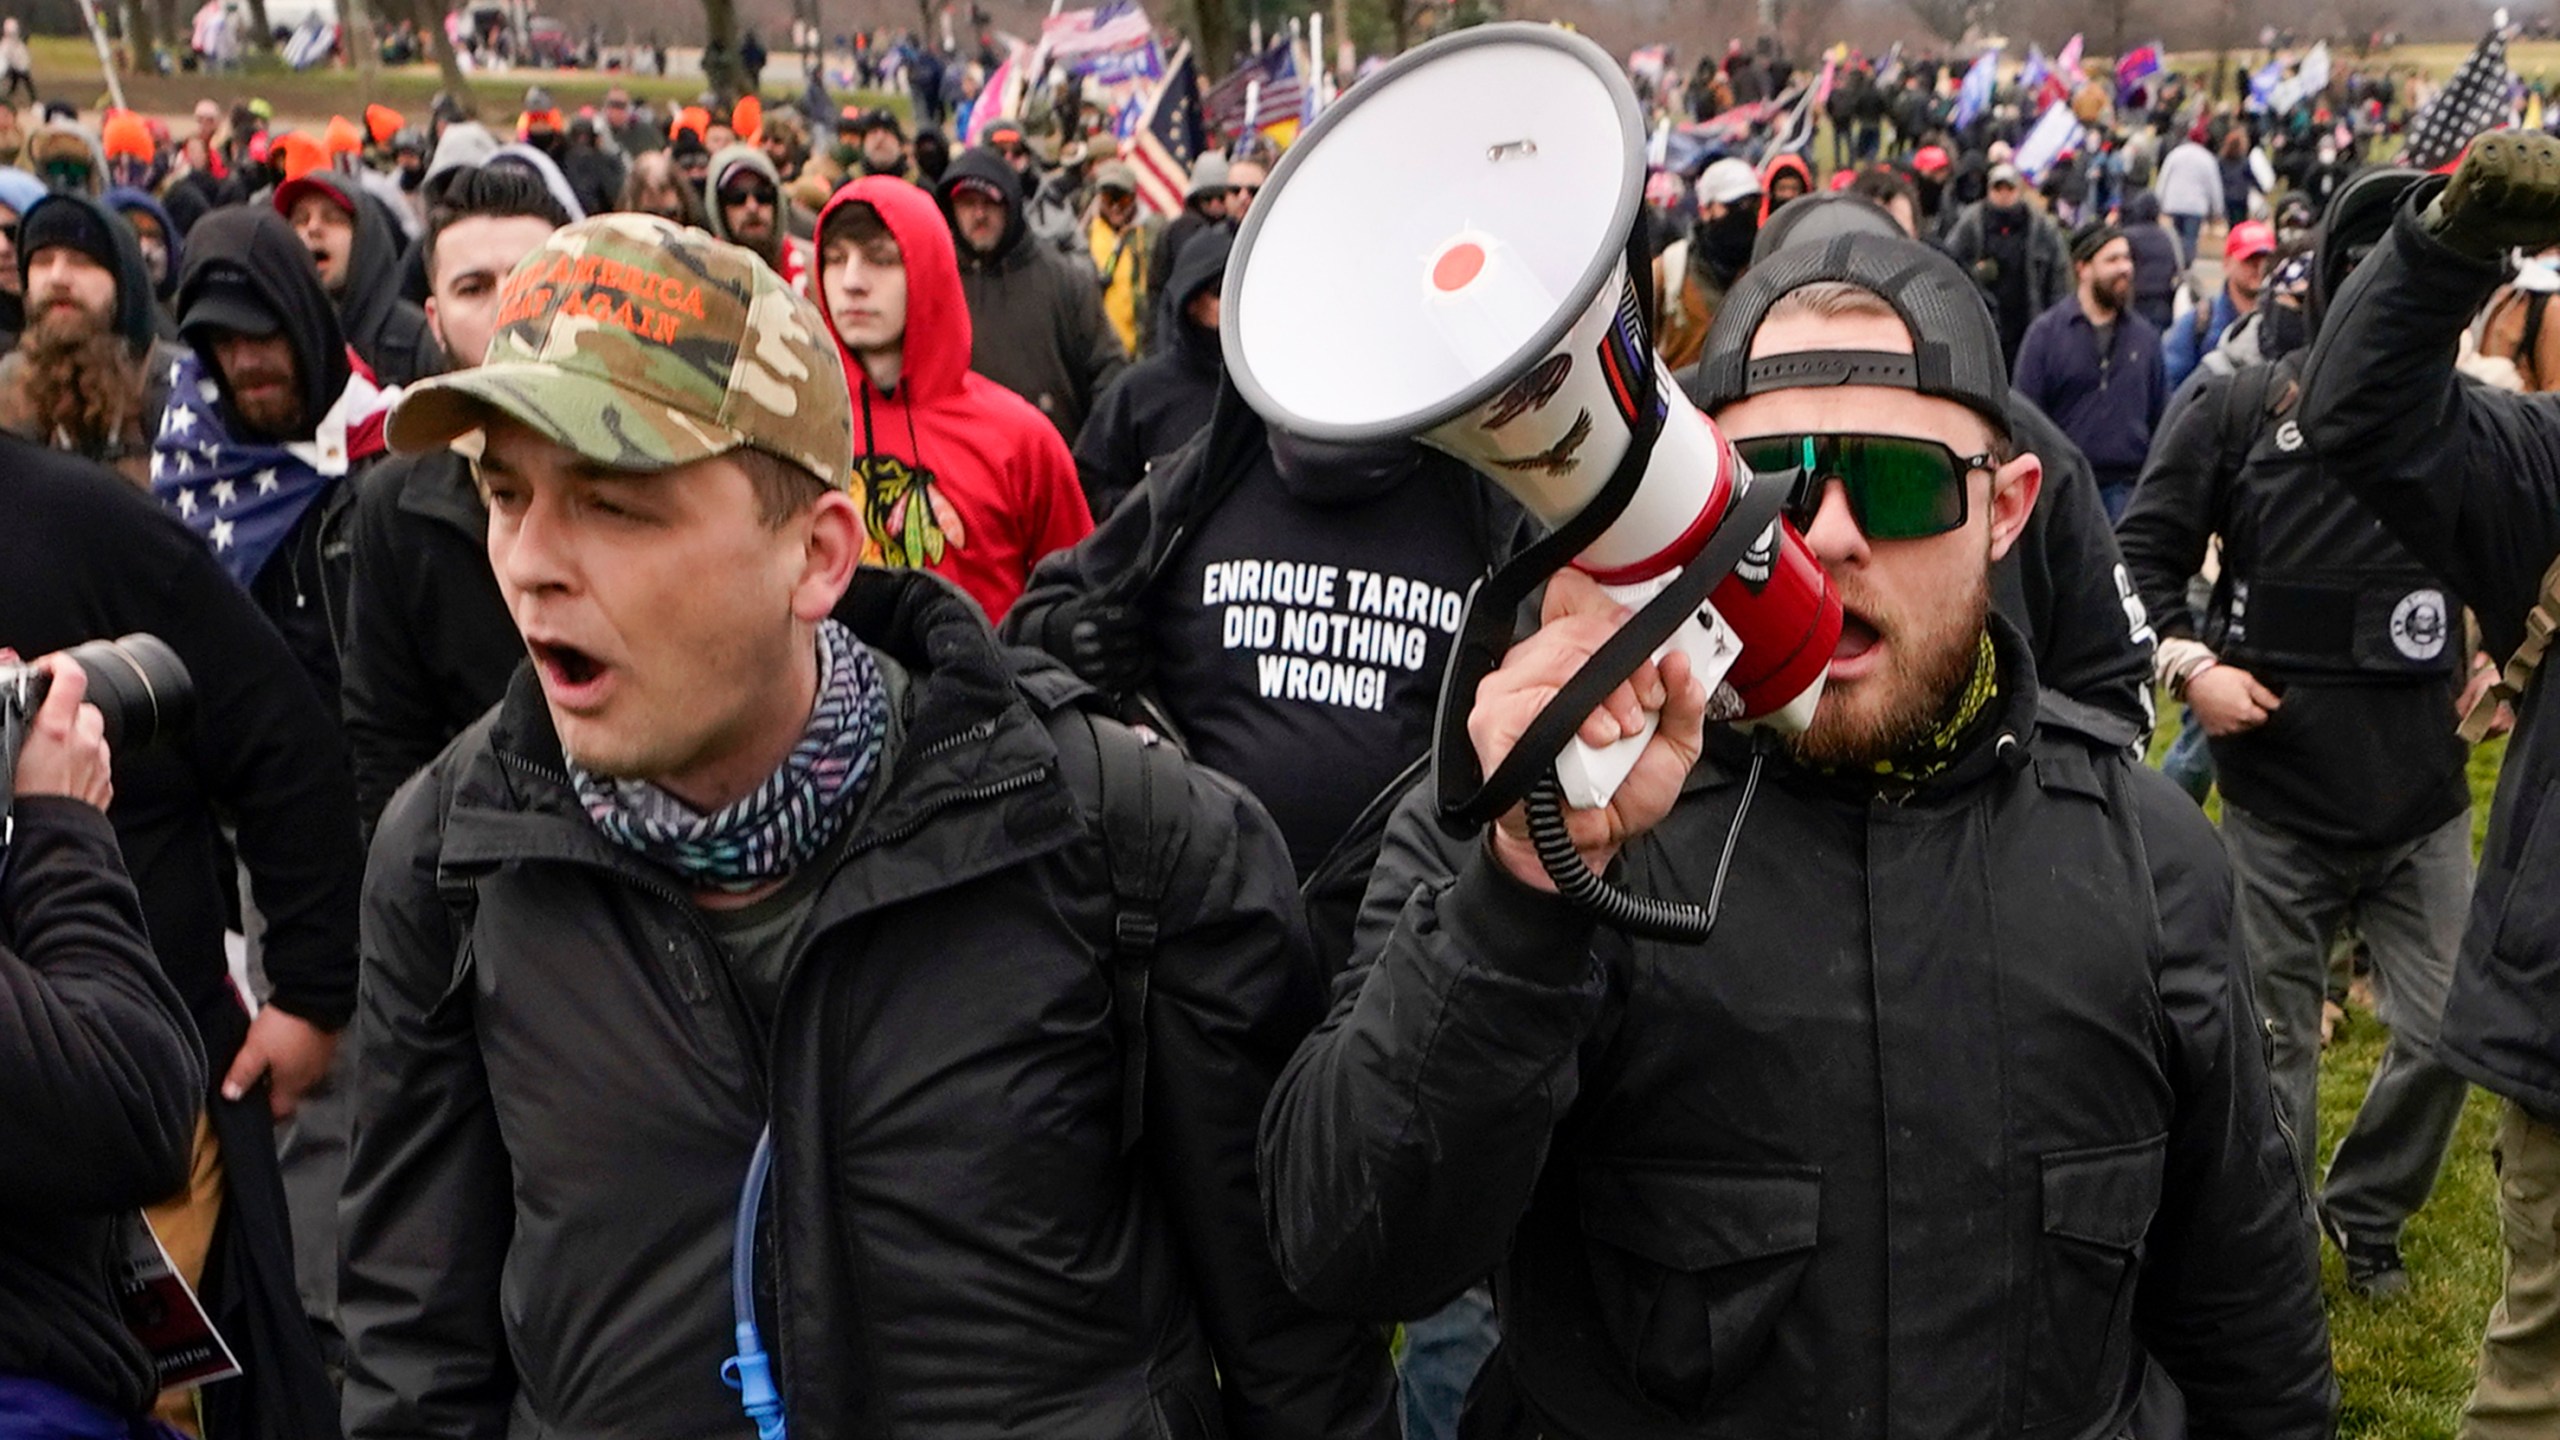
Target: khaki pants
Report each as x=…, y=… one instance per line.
x=2517, y=1396
x=184, y=1222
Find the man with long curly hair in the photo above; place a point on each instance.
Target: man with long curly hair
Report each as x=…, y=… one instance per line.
x=87, y=375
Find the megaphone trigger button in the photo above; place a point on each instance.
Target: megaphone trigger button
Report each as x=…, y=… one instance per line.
x=1458, y=266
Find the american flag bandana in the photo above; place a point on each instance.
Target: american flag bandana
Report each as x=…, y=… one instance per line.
x=244, y=497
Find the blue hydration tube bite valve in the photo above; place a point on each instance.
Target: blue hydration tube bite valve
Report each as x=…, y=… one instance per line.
x=749, y=1372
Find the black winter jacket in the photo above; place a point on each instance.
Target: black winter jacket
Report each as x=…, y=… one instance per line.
x=1163, y=400
x=1035, y=316
x=1957, y=1126
x=104, y=1077
x=959, y=1245
x=429, y=641
x=87, y=556
x=2469, y=479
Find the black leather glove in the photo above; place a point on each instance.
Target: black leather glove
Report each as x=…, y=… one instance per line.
x=1101, y=640
x=2504, y=196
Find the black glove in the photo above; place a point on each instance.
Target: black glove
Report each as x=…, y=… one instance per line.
x=1101, y=640
x=2504, y=196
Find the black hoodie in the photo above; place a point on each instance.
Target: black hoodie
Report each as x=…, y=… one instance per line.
x=390, y=333
x=253, y=245
x=1164, y=399
x=303, y=589
x=1035, y=315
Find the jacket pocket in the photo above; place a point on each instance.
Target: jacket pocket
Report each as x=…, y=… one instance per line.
x=1693, y=1265
x=2098, y=1205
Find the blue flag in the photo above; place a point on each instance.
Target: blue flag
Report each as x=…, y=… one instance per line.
x=1975, y=95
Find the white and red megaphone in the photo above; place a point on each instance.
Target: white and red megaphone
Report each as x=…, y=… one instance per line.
x=1445, y=254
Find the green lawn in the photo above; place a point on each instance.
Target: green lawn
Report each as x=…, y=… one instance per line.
x=68, y=67
x=2405, y=1367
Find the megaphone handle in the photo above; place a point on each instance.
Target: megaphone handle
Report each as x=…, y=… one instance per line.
x=1533, y=755
x=1590, y=774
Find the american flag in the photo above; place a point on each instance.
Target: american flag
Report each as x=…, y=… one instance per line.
x=1168, y=137
x=2473, y=101
x=1110, y=43
x=1283, y=97
x=245, y=497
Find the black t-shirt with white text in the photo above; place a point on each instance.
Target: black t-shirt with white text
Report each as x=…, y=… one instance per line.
x=1300, y=645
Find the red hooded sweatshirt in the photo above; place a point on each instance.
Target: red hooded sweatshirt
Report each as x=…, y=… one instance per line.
x=960, y=475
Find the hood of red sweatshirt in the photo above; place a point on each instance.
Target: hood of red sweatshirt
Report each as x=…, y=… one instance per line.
x=935, y=357
x=1791, y=163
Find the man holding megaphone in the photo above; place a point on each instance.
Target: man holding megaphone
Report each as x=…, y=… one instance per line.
x=1958, y=1122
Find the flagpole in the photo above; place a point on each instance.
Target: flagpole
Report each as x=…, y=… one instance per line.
x=106, y=61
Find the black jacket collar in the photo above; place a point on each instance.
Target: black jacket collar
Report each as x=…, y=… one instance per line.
x=971, y=740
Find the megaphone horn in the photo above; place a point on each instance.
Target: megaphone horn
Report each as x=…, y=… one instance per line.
x=1450, y=252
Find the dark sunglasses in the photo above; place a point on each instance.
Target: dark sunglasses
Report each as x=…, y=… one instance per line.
x=745, y=194
x=1899, y=487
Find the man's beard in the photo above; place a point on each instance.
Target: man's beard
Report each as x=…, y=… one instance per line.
x=1933, y=655
x=2111, y=296
x=81, y=387
x=279, y=418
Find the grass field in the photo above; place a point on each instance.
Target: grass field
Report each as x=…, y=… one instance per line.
x=68, y=68
x=2405, y=1367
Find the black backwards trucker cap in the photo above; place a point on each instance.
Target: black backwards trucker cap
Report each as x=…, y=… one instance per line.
x=1955, y=347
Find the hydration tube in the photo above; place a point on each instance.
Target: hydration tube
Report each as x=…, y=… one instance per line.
x=750, y=1372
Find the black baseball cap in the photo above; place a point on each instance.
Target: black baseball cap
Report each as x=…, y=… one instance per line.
x=1955, y=346
x=227, y=303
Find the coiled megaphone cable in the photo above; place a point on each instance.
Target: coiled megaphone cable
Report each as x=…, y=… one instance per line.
x=1677, y=921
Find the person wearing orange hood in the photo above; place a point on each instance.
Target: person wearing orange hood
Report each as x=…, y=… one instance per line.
x=957, y=474
x=1782, y=179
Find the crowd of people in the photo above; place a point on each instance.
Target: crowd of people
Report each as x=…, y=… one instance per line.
x=738, y=651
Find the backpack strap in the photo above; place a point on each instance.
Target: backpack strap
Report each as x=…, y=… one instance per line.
x=2539, y=625
x=1140, y=791
x=2528, y=353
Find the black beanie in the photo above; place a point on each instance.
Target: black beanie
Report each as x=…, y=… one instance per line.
x=77, y=226
x=2091, y=238
x=89, y=227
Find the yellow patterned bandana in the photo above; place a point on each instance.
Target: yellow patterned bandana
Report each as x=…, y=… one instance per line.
x=1935, y=751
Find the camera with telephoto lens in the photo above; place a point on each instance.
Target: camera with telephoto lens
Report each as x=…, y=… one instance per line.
x=138, y=683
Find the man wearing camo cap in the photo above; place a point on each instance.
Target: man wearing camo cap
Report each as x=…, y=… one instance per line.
x=759, y=843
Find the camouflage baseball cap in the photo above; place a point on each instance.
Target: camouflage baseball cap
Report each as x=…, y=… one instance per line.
x=642, y=345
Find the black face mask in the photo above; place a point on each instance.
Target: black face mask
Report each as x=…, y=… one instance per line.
x=1724, y=243
x=1324, y=472
x=2282, y=329
x=412, y=176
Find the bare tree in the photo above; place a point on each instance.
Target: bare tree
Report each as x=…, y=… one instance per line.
x=720, y=66
x=140, y=35
x=363, y=47
x=428, y=19
x=1212, y=28
x=1952, y=20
